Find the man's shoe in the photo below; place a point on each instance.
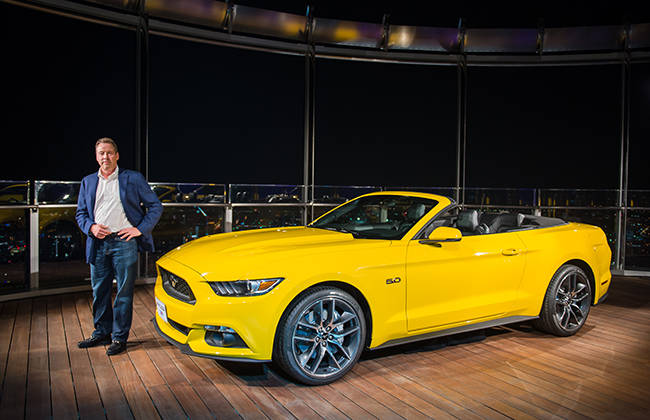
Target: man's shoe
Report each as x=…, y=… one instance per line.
x=116, y=347
x=94, y=341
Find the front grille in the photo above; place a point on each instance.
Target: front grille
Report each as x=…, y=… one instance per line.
x=176, y=287
x=182, y=328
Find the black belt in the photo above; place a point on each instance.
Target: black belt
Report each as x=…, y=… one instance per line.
x=111, y=236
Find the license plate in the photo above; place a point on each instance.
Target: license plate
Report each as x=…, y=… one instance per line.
x=162, y=310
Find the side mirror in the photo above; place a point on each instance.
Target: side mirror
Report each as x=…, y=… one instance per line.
x=442, y=234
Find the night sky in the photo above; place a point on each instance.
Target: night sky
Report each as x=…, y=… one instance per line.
x=227, y=115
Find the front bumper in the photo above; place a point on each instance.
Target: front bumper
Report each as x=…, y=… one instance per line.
x=254, y=319
x=185, y=349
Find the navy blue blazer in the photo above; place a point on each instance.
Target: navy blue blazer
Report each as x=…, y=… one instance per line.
x=136, y=196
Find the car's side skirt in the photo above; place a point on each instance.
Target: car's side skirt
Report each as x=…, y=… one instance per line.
x=455, y=330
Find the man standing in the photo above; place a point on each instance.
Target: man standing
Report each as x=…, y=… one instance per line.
x=110, y=212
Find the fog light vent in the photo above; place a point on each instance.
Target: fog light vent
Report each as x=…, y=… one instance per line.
x=220, y=336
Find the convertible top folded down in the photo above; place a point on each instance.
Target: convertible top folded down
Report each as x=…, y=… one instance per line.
x=473, y=222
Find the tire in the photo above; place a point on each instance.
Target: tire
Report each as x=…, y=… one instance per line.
x=320, y=336
x=566, y=303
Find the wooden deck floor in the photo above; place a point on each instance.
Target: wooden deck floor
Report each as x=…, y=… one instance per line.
x=603, y=372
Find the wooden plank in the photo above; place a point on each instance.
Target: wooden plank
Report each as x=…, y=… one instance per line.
x=7, y=320
x=195, y=399
x=470, y=386
x=89, y=402
x=538, y=391
x=411, y=371
x=137, y=395
x=247, y=383
x=246, y=404
x=595, y=396
x=363, y=400
x=462, y=362
x=38, y=375
x=412, y=393
x=64, y=403
x=387, y=399
x=601, y=372
x=12, y=404
x=307, y=394
x=109, y=387
x=284, y=396
x=224, y=383
x=574, y=363
x=341, y=402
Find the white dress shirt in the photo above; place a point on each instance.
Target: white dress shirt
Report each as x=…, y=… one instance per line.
x=108, y=205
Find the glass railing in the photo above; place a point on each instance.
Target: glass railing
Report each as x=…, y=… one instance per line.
x=637, y=240
x=503, y=197
x=266, y=193
x=55, y=256
x=14, y=238
x=578, y=198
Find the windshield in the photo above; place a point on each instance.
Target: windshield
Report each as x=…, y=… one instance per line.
x=377, y=216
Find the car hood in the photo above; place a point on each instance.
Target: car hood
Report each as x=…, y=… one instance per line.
x=264, y=252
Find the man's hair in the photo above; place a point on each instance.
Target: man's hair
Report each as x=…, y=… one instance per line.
x=106, y=140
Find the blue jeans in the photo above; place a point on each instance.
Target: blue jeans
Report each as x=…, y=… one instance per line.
x=116, y=258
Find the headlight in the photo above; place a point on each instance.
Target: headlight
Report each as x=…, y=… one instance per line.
x=244, y=287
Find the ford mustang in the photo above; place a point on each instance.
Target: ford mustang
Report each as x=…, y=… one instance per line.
x=383, y=269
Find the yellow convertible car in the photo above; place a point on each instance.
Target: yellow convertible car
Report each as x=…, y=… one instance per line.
x=383, y=269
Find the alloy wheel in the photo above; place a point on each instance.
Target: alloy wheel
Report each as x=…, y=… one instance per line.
x=572, y=300
x=326, y=337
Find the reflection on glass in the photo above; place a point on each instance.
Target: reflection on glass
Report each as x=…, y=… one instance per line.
x=402, y=37
x=637, y=244
x=329, y=194
x=179, y=225
x=14, y=192
x=586, y=38
x=604, y=219
x=321, y=210
x=189, y=193
x=269, y=22
x=500, y=196
x=343, y=32
x=492, y=40
x=499, y=209
x=245, y=218
x=579, y=198
x=638, y=198
x=61, y=249
x=57, y=192
x=265, y=193
x=13, y=250
x=203, y=12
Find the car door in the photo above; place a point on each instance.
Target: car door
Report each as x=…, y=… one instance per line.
x=474, y=279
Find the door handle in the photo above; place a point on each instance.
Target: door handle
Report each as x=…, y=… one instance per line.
x=510, y=251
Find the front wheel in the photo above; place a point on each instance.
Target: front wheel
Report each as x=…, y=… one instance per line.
x=320, y=336
x=567, y=302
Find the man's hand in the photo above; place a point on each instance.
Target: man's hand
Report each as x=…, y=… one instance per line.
x=100, y=231
x=129, y=233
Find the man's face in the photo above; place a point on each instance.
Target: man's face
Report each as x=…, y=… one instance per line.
x=106, y=157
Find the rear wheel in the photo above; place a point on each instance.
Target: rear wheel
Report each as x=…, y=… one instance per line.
x=320, y=336
x=567, y=302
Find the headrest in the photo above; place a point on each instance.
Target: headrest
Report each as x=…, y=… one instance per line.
x=415, y=211
x=497, y=221
x=467, y=220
